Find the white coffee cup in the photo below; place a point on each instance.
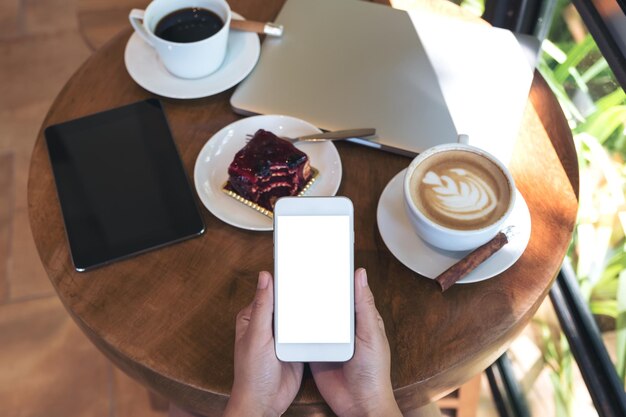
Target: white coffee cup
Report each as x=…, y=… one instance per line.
x=457, y=196
x=185, y=60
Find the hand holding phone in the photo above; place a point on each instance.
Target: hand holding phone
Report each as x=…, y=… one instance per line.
x=314, y=291
x=361, y=386
x=263, y=385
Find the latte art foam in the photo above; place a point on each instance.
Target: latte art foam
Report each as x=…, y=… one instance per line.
x=460, y=190
x=460, y=194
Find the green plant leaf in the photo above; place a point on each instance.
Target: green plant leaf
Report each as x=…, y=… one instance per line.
x=615, y=98
x=602, y=124
x=578, y=80
x=604, y=307
x=620, y=327
x=611, y=271
x=574, y=56
x=606, y=289
x=597, y=68
x=549, y=351
x=620, y=142
x=476, y=7
x=606, y=286
x=600, y=157
x=569, y=108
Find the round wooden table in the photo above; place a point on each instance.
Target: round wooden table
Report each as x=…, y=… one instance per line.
x=167, y=317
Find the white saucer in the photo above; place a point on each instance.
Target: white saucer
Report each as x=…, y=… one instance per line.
x=145, y=67
x=211, y=169
x=428, y=261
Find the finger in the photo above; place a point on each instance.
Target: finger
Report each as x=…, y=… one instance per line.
x=263, y=305
x=297, y=368
x=318, y=368
x=368, y=320
x=243, y=321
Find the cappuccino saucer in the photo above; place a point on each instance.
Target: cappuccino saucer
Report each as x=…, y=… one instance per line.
x=145, y=67
x=428, y=261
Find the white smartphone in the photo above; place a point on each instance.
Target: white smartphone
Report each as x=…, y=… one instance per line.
x=314, y=279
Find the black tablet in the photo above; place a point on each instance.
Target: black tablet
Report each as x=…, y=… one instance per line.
x=121, y=184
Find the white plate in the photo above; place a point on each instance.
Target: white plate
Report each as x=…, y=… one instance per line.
x=211, y=169
x=145, y=67
x=428, y=261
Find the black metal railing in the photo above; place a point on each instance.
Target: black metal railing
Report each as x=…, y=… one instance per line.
x=588, y=350
x=587, y=346
x=528, y=17
x=606, y=20
x=505, y=390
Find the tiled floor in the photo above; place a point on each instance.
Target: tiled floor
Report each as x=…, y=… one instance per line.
x=47, y=366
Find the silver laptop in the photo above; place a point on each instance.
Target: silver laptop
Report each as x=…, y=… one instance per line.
x=345, y=64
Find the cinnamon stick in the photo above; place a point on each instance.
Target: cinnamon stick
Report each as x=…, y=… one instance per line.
x=471, y=261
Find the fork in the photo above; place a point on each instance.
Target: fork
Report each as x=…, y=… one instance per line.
x=322, y=137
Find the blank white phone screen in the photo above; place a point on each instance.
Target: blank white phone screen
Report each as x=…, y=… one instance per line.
x=313, y=279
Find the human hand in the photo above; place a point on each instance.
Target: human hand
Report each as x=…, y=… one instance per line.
x=361, y=386
x=263, y=385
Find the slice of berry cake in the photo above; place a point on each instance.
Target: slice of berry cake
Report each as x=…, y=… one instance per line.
x=268, y=168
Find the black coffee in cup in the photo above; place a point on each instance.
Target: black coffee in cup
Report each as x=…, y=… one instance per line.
x=188, y=25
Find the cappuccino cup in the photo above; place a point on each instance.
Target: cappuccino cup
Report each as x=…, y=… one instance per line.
x=457, y=196
x=189, y=36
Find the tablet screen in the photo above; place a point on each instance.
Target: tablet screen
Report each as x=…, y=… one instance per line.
x=121, y=184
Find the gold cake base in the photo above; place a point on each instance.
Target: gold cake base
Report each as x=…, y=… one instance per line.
x=263, y=210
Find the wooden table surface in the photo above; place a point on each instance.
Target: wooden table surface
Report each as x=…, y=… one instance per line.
x=167, y=317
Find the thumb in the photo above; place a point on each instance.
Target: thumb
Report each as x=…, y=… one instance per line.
x=262, y=306
x=369, y=323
